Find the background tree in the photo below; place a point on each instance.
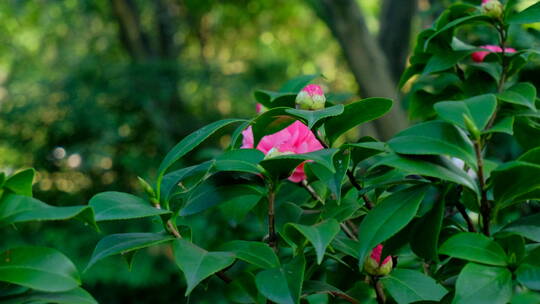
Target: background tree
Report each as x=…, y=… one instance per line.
x=93, y=93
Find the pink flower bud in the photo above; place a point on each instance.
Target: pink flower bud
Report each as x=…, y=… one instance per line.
x=260, y=108
x=373, y=264
x=492, y=8
x=480, y=55
x=311, y=98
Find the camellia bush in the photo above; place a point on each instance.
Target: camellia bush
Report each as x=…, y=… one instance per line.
x=446, y=211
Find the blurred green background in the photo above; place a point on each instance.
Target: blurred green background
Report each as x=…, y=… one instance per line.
x=94, y=93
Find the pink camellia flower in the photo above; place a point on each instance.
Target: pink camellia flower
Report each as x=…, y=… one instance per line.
x=297, y=138
x=373, y=264
x=480, y=55
x=311, y=97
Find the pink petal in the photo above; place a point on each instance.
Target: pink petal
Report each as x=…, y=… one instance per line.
x=296, y=138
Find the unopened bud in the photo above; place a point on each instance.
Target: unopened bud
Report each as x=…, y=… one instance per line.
x=146, y=187
x=471, y=127
x=492, y=8
x=373, y=264
x=311, y=98
x=260, y=108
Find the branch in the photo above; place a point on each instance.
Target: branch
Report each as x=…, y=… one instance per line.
x=463, y=212
x=395, y=33
x=131, y=32
x=485, y=206
x=272, y=236
x=377, y=286
x=364, y=57
x=369, y=204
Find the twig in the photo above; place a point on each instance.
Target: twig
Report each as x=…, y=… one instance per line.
x=343, y=296
x=173, y=230
x=381, y=297
x=485, y=206
x=463, y=212
x=272, y=237
x=352, y=226
x=348, y=232
x=355, y=184
x=311, y=191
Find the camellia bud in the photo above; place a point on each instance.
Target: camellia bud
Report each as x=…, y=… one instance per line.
x=373, y=264
x=311, y=98
x=260, y=108
x=471, y=127
x=492, y=8
x=146, y=187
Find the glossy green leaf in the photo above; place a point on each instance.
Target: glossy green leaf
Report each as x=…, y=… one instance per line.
x=343, y=209
x=504, y=125
x=387, y=218
x=314, y=118
x=474, y=247
x=189, y=177
x=365, y=148
x=282, y=166
x=319, y=235
x=493, y=69
x=408, y=286
x=255, y=253
x=112, y=205
x=523, y=94
x=333, y=180
x=283, y=285
x=444, y=61
x=426, y=233
x=346, y=245
x=123, y=243
x=528, y=227
x=207, y=196
x=355, y=114
x=39, y=268
x=528, y=273
x=240, y=160
x=525, y=297
x=21, y=182
x=478, y=108
x=525, y=176
x=74, y=296
x=197, y=263
x=236, y=206
x=270, y=122
x=271, y=99
x=243, y=289
x=528, y=15
x=434, y=138
x=189, y=143
x=455, y=23
x=415, y=166
x=18, y=209
x=479, y=284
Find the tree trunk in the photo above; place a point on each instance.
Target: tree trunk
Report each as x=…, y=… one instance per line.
x=395, y=33
x=365, y=58
x=154, y=51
